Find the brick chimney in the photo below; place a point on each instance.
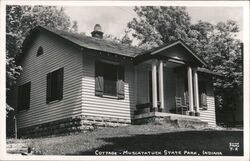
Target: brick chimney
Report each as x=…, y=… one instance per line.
x=97, y=33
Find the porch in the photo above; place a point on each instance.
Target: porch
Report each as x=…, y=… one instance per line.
x=167, y=84
x=171, y=88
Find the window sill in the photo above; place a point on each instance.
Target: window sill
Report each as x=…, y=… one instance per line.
x=111, y=97
x=203, y=108
x=55, y=101
x=22, y=111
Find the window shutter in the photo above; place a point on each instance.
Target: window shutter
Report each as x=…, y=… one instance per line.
x=99, y=84
x=203, y=100
x=60, y=84
x=49, y=77
x=27, y=92
x=120, y=83
x=20, y=100
x=23, y=97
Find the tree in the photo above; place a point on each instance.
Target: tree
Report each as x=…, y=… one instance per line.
x=125, y=39
x=74, y=27
x=216, y=44
x=12, y=73
x=19, y=20
x=111, y=38
x=158, y=25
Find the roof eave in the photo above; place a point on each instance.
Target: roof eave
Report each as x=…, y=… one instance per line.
x=207, y=71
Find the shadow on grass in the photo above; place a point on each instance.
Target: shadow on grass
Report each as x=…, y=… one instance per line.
x=197, y=141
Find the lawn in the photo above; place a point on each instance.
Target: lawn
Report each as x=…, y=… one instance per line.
x=140, y=140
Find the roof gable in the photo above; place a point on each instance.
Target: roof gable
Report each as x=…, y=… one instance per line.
x=184, y=52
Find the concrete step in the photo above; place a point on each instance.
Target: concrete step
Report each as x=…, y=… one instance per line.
x=175, y=121
x=183, y=118
x=192, y=124
x=185, y=122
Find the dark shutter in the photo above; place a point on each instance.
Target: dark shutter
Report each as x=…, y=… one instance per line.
x=24, y=97
x=20, y=102
x=99, y=79
x=60, y=83
x=48, y=96
x=27, y=91
x=120, y=83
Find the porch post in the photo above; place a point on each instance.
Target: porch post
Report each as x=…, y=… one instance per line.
x=196, y=91
x=161, y=89
x=154, y=83
x=190, y=90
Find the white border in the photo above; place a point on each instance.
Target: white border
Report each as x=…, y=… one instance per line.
x=244, y=4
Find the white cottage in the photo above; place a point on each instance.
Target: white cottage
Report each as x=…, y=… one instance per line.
x=72, y=82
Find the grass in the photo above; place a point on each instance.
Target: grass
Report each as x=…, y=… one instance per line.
x=138, y=138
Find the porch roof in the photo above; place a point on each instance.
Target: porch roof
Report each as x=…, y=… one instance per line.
x=166, y=49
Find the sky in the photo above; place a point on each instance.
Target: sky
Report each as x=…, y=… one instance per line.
x=114, y=19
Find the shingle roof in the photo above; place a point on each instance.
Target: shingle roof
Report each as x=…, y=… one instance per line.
x=95, y=43
x=106, y=45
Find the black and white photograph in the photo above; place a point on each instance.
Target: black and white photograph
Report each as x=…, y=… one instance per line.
x=125, y=79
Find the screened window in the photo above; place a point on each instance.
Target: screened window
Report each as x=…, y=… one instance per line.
x=109, y=80
x=55, y=85
x=24, y=97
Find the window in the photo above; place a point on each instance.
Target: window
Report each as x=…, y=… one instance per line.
x=109, y=80
x=39, y=51
x=55, y=85
x=23, y=97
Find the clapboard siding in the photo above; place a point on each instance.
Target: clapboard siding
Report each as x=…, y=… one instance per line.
x=101, y=106
x=57, y=54
x=209, y=114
